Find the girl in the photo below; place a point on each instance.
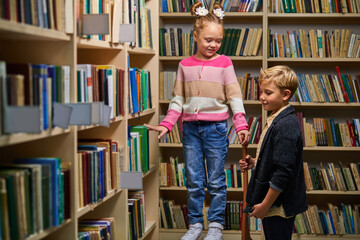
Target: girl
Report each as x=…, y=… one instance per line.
x=204, y=83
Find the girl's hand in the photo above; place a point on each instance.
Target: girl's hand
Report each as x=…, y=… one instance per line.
x=248, y=164
x=260, y=211
x=246, y=134
x=163, y=130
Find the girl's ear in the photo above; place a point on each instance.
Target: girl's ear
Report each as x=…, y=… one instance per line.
x=286, y=95
x=195, y=36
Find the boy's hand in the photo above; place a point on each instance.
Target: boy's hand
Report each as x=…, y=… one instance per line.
x=259, y=211
x=248, y=164
x=246, y=134
x=163, y=130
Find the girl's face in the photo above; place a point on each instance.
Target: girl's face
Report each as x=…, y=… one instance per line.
x=208, y=40
x=273, y=98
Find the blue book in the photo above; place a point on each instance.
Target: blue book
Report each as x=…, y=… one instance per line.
x=244, y=42
x=299, y=46
x=324, y=88
x=51, y=73
x=333, y=131
x=134, y=90
x=323, y=222
x=55, y=182
x=331, y=221
x=99, y=222
x=92, y=169
x=40, y=73
x=346, y=219
x=164, y=6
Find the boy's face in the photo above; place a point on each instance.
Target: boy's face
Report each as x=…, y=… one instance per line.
x=273, y=98
x=208, y=40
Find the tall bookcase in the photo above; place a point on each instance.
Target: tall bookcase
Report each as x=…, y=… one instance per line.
x=339, y=111
x=22, y=43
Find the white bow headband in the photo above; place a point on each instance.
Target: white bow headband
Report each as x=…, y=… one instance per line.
x=202, y=11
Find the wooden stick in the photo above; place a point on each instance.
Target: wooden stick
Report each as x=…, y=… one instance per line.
x=245, y=232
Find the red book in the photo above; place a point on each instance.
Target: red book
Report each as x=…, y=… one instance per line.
x=352, y=132
x=346, y=97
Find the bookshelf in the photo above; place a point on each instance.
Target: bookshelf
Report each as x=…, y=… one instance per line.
x=24, y=43
x=277, y=22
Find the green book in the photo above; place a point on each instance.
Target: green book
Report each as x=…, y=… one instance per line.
x=10, y=177
x=144, y=146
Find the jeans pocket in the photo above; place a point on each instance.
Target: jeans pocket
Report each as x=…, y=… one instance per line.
x=221, y=128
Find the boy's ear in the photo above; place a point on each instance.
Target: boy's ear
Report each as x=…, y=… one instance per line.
x=286, y=95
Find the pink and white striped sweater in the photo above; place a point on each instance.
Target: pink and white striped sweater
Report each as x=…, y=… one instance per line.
x=201, y=90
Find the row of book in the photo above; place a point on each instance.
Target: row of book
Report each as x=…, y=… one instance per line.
x=175, y=42
x=255, y=129
x=99, y=162
x=175, y=136
x=227, y=5
x=35, y=195
x=328, y=88
x=241, y=42
x=313, y=6
x=103, y=228
x=336, y=220
x=139, y=90
x=138, y=146
x=101, y=83
x=28, y=85
x=175, y=216
x=136, y=212
x=55, y=15
x=172, y=173
x=249, y=85
x=332, y=177
x=325, y=132
x=314, y=43
x=236, y=42
x=119, y=13
x=134, y=12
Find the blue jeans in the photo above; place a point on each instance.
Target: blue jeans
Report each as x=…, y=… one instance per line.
x=205, y=140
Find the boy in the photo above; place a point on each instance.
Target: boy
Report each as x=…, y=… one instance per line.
x=276, y=191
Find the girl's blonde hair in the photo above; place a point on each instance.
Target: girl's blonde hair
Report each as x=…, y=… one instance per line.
x=200, y=21
x=282, y=76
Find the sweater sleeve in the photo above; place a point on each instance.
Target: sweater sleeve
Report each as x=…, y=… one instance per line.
x=234, y=97
x=176, y=103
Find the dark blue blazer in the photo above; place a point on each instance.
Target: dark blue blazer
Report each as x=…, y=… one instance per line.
x=280, y=162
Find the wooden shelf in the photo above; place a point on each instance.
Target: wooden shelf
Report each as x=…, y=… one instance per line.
x=326, y=148
x=90, y=207
x=151, y=170
x=43, y=234
x=246, y=102
x=179, y=145
x=141, y=114
x=315, y=60
x=91, y=43
x=317, y=18
x=20, y=31
x=229, y=16
x=142, y=51
x=149, y=227
x=6, y=140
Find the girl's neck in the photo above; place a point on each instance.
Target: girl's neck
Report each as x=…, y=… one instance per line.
x=205, y=58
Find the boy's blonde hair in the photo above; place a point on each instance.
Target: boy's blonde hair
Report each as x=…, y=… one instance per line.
x=282, y=76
